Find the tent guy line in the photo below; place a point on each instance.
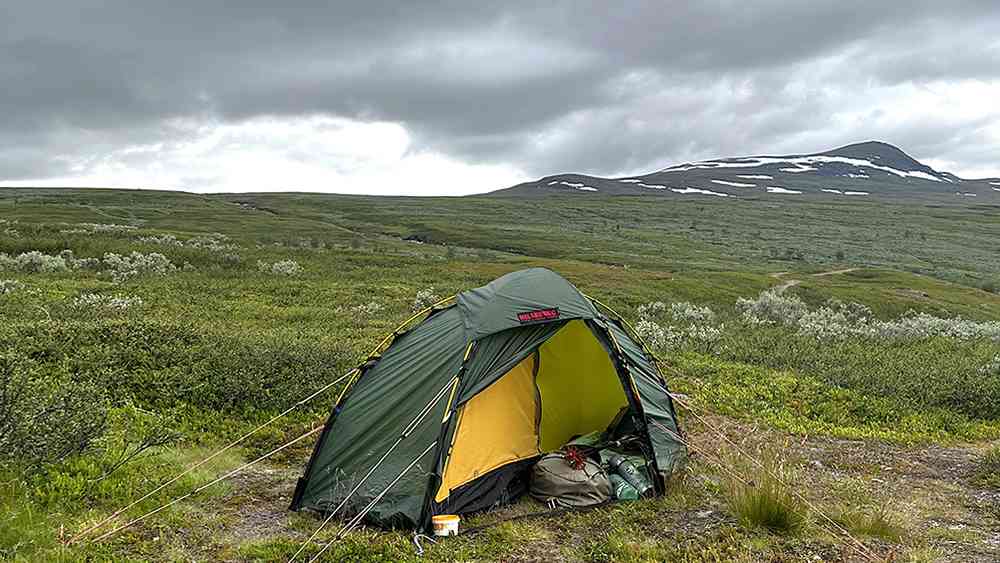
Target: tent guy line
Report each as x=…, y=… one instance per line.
x=219, y=452
x=350, y=374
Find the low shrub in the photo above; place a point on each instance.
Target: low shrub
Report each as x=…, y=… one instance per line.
x=837, y=321
x=33, y=262
x=92, y=302
x=160, y=365
x=772, y=307
x=45, y=416
x=280, y=268
x=126, y=267
x=694, y=329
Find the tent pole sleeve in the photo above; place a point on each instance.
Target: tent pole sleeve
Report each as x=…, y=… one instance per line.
x=627, y=325
x=444, y=448
x=356, y=376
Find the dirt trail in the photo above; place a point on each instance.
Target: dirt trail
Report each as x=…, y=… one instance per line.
x=792, y=283
x=834, y=272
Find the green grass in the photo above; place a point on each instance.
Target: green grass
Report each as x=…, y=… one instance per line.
x=876, y=522
x=988, y=468
x=763, y=499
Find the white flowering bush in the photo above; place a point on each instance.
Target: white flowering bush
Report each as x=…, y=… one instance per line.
x=424, y=299
x=656, y=336
x=837, y=320
x=828, y=324
x=650, y=310
x=215, y=242
x=281, y=268
x=166, y=240
x=772, y=307
x=10, y=286
x=704, y=337
x=689, y=312
x=89, y=228
x=109, y=303
x=123, y=268
x=692, y=327
x=33, y=261
x=917, y=326
x=74, y=263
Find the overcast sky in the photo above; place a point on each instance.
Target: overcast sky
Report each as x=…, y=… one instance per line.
x=458, y=97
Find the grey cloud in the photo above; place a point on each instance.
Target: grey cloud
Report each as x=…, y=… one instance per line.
x=545, y=87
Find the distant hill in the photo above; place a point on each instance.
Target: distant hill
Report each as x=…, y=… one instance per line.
x=869, y=169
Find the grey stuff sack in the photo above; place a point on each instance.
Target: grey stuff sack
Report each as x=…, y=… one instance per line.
x=556, y=483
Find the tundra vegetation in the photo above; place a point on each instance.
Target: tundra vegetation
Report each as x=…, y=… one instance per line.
x=141, y=331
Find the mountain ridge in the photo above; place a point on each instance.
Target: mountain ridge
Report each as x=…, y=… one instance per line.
x=865, y=169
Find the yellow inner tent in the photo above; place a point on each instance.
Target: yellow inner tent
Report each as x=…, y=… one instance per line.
x=567, y=388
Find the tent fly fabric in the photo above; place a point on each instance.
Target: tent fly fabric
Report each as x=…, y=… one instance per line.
x=501, y=376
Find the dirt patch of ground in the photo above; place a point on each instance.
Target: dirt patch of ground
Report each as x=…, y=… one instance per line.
x=257, y=506
x=930, y=489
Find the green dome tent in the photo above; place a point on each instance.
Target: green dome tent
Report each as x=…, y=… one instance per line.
x=457, y=406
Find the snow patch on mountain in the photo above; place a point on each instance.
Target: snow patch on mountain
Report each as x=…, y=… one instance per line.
x=755, y=176
x=733, y=184
x=842, y=192
x=801, y=164
x=697, y=191
x=652, y=186
x=925, y=176
x=575, y=185
x=630, y=181
x=779, y=190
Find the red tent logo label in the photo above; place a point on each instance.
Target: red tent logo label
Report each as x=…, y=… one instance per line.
x=538, y=315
